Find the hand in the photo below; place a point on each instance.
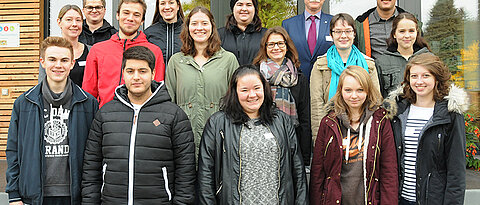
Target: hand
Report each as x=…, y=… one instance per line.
x=16, y=203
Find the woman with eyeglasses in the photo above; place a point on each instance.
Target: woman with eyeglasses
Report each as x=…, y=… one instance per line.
x=70, y=20
x=405, y=42
x=166, y=27
x=278, y=62
x=327, y=69
x=243, y=30
x=354, y=159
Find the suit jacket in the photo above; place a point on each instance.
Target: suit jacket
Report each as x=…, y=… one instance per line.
x=295, y=27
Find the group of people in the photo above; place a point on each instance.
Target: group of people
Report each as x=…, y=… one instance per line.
x=185, y=113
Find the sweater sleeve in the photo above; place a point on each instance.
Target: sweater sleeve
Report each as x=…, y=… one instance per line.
x=206, y=166
x=13, y=169
x=388, y=166
x=92, y=164
x=184, y=158
x=171, y=78
x=455, y=161
x=159, y=64
x=90, y=75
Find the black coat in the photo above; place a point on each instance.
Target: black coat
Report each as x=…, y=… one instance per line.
x=244, y=44
x=153, y=158
x=440, y=165
x=166, y=36
x=219, y=162
x=101, y=34
x=25, y=150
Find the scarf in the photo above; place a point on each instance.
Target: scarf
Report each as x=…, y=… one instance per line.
x=281, y=79
x=335, y=63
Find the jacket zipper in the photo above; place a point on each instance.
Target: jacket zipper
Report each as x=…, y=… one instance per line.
x=223, y=140
x=328, y=144
x=121, y=70
x=131, y=157
x=165, y=179
x=240, y=167
x=374, y=157
x=426, y=191
x=219, y=189
x=104, y=169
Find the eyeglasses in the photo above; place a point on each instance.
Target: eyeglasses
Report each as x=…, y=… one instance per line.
x=90, y=8
x=280, y=44
x=340, y=32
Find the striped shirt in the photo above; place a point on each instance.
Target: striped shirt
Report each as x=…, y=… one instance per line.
x=417, y=118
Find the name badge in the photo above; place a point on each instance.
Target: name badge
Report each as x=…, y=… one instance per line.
x=328, y=38
x=268, y=135
x=82, y=63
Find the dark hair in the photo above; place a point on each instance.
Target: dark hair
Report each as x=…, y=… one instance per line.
x=157, y=17
x=345, y=18
x=141, y=2
x=256, y=22
x=292, y=53
x=58, y=42
x=420, y=42
x=436, y=67
x=139, y=53
x=188, y=45
x=85, y=2
x=231, y=106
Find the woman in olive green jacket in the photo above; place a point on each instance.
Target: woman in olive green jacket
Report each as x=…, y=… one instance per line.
x=198, y=76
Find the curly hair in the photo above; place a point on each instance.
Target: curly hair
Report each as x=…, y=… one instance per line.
x=436, y=67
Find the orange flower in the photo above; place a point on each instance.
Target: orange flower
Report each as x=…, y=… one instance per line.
x=471, y=119
x=466, y=123
x=469, y=115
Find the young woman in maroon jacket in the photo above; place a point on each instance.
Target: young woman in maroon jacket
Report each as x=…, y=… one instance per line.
x=354, y=158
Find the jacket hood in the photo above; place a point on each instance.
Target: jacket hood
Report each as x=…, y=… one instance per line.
x=163, y=23
x=364, y=16
x=105, y=26
x=159, y=94
x=34, y=94
x=457, y=98
x=388, y=105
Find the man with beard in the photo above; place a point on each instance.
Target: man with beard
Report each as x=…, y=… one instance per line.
x=374, y=26
x=103, y=72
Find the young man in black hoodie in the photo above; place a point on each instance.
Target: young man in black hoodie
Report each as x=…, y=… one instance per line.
x=47, y=133
x=95, y=28
x=140, y=149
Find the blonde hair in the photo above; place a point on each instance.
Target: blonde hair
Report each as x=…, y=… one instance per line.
x=373, y=100
x=67, y=8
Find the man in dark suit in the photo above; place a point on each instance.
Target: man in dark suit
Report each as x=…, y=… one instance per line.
x=310, y=34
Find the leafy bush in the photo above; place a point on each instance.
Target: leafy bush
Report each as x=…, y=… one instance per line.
x=472, y=133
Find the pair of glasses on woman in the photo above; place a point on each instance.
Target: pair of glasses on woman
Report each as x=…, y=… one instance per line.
x=340, y=32
x=280, y=44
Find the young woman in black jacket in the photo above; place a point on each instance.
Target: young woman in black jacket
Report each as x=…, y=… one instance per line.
x=166, y=27
x=243, y=31
x=249, y=152
x=429, y=131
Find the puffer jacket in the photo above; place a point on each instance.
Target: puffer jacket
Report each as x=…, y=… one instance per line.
x=101, y=34
x=166, y=36
x=103, y=71
x=143, y=156
x=440, y=166
x=25, y=153
x=379, y=163
x=391, y=68
x=320, y=86
x=243, y=44
x=219, y=162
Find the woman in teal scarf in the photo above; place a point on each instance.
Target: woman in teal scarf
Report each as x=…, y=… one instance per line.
x=278, y=62
x=327, y=69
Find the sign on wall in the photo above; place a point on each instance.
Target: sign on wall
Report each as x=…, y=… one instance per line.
x=9, y=35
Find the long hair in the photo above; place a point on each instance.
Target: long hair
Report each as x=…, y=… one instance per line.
x=292, y=53
x=373, y=100
x=67, y=8
x=256, y=22
x=188, y=45
x=420, y=42
x=231, y=106
x=157, y=17
x=436, y=67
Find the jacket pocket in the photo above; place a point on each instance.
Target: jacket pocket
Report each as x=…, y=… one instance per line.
x=165, y=178
x=427, y=187
x=219, y=189
x=328, y=144
x=104, y=169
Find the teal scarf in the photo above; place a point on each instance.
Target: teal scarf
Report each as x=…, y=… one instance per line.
x=335, y=63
